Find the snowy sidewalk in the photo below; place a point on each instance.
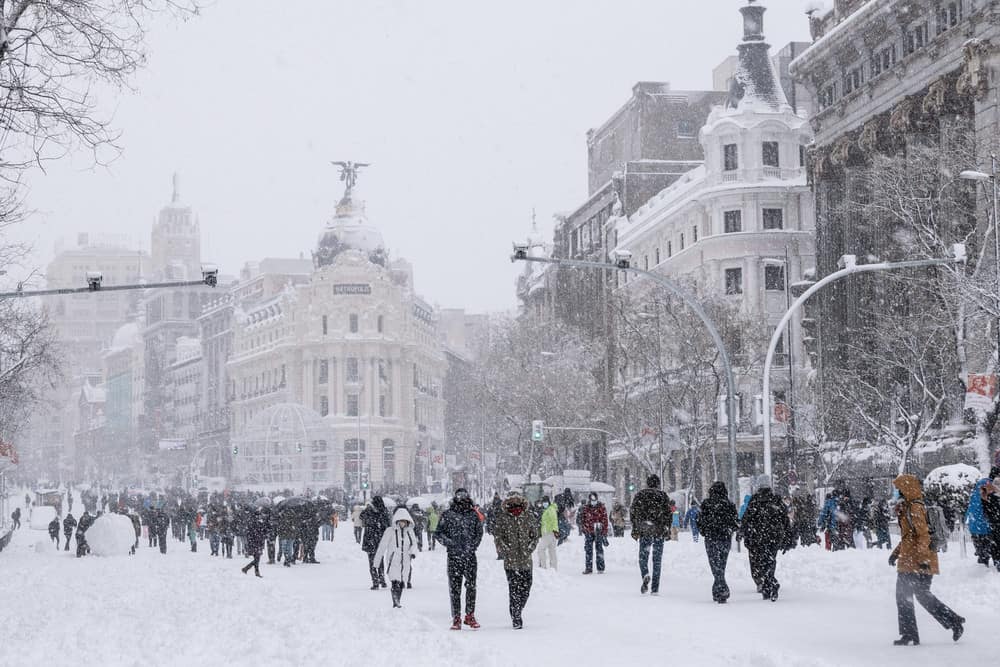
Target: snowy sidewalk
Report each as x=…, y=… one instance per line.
x=191, y=609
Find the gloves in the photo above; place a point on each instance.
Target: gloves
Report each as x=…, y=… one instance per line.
x=635, y=535
x=893, y=557
x=925, y=567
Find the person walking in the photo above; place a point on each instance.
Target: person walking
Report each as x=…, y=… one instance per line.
x=461, y=531
x=516, y=533
x=256, y=536
x=766, y=530
x=161, y=522
x=226, y=533
x=717, y=524
x=549, y=535
x=618, y=519
x=433, y=517
x=979, y=526
x=564, y=503
x=287, y=528
x=651, y=519
x=594, y=524
x=86, y=521
x=916, y=564
x=54, y=530
x=357, y=522
x=69, y=525
x=136, y=528
x=880, y=522
x=691, y=519
x=804, y=518
x=376, y=520
x=395, y=553
x=15, y=516
x=419, y=523
x=991, y=508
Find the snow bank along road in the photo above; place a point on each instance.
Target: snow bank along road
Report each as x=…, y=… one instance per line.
x=192, y=609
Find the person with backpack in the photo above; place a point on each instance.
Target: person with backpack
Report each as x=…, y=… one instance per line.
x=651, y=519
x=766, y=530
x=460, y=531
x=916, y=563
x=938, y=522
x=717, y=524
x=69, y=525
x=516, y=533
x=618, y=518
x=691, y=519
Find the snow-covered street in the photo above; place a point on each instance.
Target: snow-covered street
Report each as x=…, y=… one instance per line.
x=192, y=609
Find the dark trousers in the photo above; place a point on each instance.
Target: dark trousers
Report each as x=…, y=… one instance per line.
x=983, y=545
x=618, y=531
x=519, y=588
x=81, y=546
x=462, y=567
x=656, y=545
x=255, y=563
x=358, y=531
x=718, y=556
x=590, y=544
x=882, y=538
x=68, y=535
x=270, y=551
x=397, y=592
x=420, y=539
x=909, y=586
x=431, y=540
x=377, y=573
x=763, y=561
x=227, y=547
x=161, y=537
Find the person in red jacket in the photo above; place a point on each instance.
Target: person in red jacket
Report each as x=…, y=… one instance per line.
x=594, y=523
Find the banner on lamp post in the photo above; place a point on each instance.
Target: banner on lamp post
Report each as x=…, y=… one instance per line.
x=437, y=458
x=980, y=390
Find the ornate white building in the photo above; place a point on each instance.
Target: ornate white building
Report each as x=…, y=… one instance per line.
x=742, y=224
x=358, y=348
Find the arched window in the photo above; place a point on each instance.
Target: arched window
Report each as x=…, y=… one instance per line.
x=354, y=454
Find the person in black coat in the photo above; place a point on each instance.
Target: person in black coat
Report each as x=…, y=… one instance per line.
x=81, y=534
x=271, y=534
x=419, y=523
x=376, y=519
x=460, y=531
x=766, y=530
x=54, y=530
x=256, y=533
x=161, y=523
x=309, y=524
x=717, y=524
x=651, y=519
x=69, y=525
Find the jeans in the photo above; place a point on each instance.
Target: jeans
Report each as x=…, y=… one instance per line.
x=984, y=548
x=518, y=588
x=397, y=593
x=270, y=550
x=656, y=543
x=213, y=543
x=358, y=530
x=718, y=555
x=591, y=543
x=694, y=531
x=763, y=562
x=285, y=546
x=462, y=567
x=327, y=532
x=431, y=540
x=255, y=563
x=618, y=531
x=909, y=585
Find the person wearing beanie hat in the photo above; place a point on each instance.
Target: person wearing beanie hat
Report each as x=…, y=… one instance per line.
x=651, y=519
x=594, y=523
x=461, y=531
x=766, y=530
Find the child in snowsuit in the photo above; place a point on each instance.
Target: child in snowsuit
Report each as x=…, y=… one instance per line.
x=396, y=550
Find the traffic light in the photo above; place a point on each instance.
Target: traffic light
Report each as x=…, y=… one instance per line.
x=631, y=487
x=236, y=450
x=537, y=430
x=298, y=447
x=364, y=485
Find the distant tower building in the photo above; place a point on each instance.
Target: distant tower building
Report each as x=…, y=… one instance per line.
x=176, y=240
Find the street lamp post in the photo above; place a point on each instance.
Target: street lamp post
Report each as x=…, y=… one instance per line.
x=851, y=267
x=972, y=175
x=623, y=264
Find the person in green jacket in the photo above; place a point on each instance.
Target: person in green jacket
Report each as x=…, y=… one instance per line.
x=433, y=517
x=516, y=534
x=550, y=534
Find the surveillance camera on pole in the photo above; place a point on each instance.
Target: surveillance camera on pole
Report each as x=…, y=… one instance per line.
x=622, y=258
x=94, y=280
x=210, y=274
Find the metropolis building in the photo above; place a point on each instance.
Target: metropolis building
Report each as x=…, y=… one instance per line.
x=338, y=380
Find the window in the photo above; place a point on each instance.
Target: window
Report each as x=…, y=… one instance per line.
x=949, y=16
x=852, y=80
x=353, y=407
x=694, y=234
x=685, y=130
x=645, y=262
x=827, y=95
x=916, y=38
x=657, y=255
x=769, y=150
x=324, y=406
x=353, y=323
x=354, y=451
x=774, y=278
x=730, y=157
x=732, y=221
x=325, y=328
x=682, y=242
x=324, y=371
x=802, y=155
x=351, y=367
x=380, y=323
x=780, y=359
x=670, y=248
x=773, y=218
x=734, y=281
x=381, y=405
x=883, y=60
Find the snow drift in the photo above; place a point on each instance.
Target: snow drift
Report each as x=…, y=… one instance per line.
x=41, y=516
x=111, y=535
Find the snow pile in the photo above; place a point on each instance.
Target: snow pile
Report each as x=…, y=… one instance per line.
x=111, y=535
x=45, y=547
x=41, y=516
x=959, y=475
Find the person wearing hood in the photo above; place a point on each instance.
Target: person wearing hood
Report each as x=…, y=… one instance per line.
x=54, y=530
x=594, y=524
x=82, y=548
x=69, y=524
x=396, y=551
x=880, y=520
x=916, y=564
x=516, y=534
x=461, y=531
x=979, y=525
x=618, y=518
x=256, y=536
x=717, y=524
x=991, y=509
x=376, y=520
x=651, y=519
x=766, y=530
x=433, y=517
x=549, y=531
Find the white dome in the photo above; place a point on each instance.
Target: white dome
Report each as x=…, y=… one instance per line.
x=126, y=336
x=351, y=227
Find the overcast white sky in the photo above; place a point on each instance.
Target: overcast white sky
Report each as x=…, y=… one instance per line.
x=472, y=113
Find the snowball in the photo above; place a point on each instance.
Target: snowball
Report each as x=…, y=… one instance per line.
x=41, y=517
x=111, y=535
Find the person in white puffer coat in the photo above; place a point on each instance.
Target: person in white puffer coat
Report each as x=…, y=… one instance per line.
x=396, y=550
